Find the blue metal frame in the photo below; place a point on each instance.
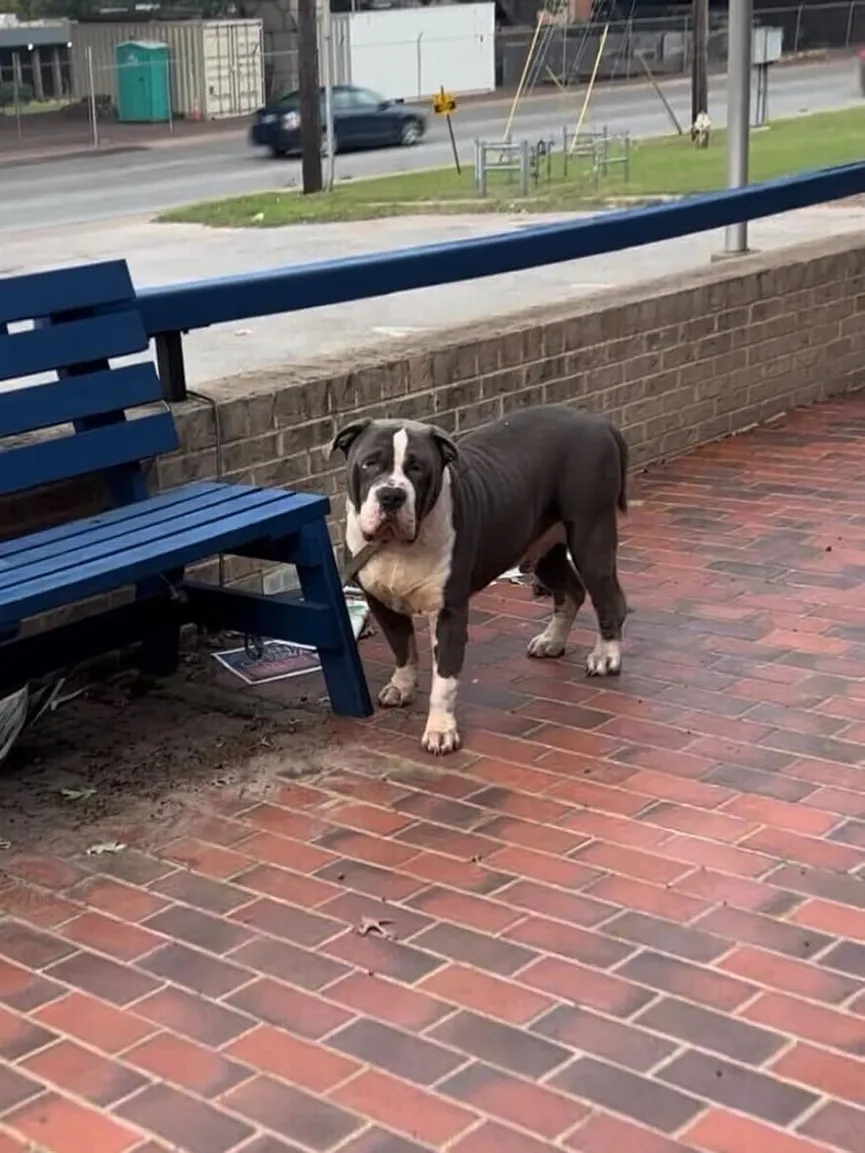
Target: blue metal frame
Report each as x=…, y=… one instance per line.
x=181, y=308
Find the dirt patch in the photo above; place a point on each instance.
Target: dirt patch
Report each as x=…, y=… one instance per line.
x=129, y=760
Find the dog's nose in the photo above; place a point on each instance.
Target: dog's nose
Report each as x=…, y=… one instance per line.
x=391, y=499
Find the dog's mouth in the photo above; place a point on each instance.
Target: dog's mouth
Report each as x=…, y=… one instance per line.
x=389, y=531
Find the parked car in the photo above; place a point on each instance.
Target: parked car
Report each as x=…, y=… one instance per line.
x=361, y=119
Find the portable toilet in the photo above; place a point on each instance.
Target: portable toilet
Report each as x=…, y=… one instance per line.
x=143, y=81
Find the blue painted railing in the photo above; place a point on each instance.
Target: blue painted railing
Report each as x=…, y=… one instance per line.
x=172, y=310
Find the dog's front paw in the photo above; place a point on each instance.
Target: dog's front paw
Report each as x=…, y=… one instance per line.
x=440, y=736
x=605, y=659
x=545, y=645
x=395, y=696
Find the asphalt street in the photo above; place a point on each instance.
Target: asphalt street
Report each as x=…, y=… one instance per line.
x=100, y=187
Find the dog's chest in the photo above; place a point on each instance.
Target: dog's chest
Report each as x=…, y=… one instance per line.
x=409, y=580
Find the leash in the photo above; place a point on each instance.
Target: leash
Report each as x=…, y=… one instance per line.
x=353, y=564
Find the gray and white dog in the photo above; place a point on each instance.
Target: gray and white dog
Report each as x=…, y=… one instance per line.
x=439, y=522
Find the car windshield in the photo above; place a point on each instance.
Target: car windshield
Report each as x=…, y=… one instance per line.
x=367, y=98
x=344, y=98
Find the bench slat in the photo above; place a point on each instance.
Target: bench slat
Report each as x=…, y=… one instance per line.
x=154, y=521
x=44, y=293
x=62, y=401
x=95, y=450
x=262, y=518
x=58, y=536
x=99, y=547
x=76, y=342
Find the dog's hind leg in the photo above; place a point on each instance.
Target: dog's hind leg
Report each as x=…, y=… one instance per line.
x=594, y=548
x=398, y=631
x=555, y=572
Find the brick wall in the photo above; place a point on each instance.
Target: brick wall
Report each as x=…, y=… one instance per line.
x=676, y=363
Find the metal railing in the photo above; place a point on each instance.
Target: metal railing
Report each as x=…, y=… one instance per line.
x=175, y=309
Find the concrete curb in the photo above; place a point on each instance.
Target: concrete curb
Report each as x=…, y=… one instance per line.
x=28, y=160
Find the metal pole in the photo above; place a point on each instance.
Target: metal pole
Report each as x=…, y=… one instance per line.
x=738, y=111
x=327, y=68
x=92, y=87
x=168, y=94
x=16, y=92
x=699, y=59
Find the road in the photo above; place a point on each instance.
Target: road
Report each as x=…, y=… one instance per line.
x=88, y=189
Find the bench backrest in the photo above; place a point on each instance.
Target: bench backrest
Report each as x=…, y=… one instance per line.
x=82, y=318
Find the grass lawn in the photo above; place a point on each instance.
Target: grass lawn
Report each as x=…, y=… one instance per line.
x=33, y=108
x=666, y=166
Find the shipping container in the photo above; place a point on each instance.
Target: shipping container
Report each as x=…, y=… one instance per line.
x=233, y=67
x=409, y=53
x=216, y=66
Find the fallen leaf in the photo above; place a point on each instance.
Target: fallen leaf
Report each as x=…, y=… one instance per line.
x=105, y=847
x=77, y=794
x=369, y=925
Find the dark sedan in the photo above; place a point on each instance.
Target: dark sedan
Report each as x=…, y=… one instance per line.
x=361, y=119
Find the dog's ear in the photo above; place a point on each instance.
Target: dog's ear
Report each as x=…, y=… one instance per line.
x=445, y=445
x=348, y=434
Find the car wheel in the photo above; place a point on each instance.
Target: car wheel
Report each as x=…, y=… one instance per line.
x=410, y=133
x=324, y=143
x=278, y=153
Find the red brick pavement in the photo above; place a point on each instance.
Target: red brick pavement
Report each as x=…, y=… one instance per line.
x=629, y=915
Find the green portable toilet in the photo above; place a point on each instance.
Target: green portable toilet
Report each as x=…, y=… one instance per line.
x=143, y=81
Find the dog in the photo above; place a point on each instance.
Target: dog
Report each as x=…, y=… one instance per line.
x=430, y=523
x=701, y=130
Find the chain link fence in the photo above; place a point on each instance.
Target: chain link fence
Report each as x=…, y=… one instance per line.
x=73, y=103
x=565, y=54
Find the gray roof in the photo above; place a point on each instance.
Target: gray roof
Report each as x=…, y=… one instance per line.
x=39, y=35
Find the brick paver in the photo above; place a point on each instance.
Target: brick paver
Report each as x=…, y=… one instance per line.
x=629, y=915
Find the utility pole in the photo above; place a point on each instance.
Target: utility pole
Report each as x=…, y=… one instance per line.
x=310, y=99
x=699, y=58
x=741, y=19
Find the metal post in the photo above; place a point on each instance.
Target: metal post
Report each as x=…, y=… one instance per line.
x=92, y=87
x=798, y=31
x=170, y=365
x=16, y=91
x=327, y=68
x=168, y=95
x=524, y=167
x=738, y=111
x=419, y=63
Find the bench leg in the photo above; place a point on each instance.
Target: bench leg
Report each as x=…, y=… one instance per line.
x=319, y=581
x=159, y=654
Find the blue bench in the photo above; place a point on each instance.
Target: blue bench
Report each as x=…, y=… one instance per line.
x=83, y=318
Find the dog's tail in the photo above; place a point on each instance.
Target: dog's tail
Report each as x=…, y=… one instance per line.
x=622, y=446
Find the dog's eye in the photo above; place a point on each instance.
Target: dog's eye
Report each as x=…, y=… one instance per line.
x=369, y=464
x=413, y=467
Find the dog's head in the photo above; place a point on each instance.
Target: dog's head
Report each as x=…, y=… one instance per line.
x=395, y=471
